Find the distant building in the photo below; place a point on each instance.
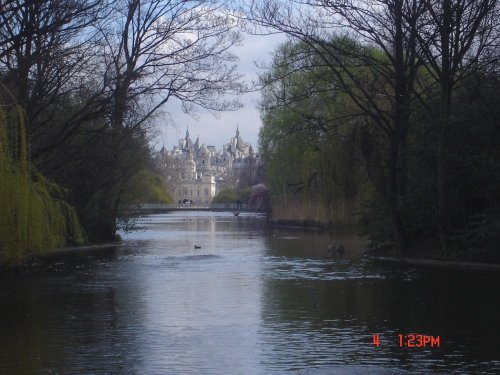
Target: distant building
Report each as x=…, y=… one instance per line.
x=196, y=172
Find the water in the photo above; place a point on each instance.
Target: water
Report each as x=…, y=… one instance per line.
x=250, y=301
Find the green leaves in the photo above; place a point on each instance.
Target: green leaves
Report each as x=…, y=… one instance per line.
x=306, y=137
x=34, y=218
x=146, y=187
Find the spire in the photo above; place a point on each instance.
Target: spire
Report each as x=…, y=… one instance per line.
x=186, y=140
x=237, y=137
x=196, y=147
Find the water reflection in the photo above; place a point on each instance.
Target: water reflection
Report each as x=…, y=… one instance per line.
x=332, y=307
x=56, y=315
x=249, y=301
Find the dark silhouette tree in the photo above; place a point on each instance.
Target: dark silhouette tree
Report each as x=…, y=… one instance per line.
x=458, y=38
x=91, y=75
x=386, y=34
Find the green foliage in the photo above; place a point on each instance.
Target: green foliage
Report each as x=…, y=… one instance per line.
x=328, y=162
x=89, y=108
x=226, y=196
x=474, y=157
x=34, y=217
x=146, y=187
x=245, y=194
x=231, y=196
x=95, y=167
x=307, y=139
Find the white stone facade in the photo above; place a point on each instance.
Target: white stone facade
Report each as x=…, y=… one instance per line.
x=196, y=173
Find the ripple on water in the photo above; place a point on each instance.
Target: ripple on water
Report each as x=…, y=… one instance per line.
x=246, y=303
x=317, y=269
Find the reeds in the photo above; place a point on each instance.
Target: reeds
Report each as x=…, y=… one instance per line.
x=302, y=209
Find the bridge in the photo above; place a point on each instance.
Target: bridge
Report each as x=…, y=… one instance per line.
x=155, y=208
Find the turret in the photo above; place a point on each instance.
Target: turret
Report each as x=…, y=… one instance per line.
x=196, y=147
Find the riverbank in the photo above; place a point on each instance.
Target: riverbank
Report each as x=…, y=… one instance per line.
x=309, y=224
x=388, y=255
x=436, y=262
x=84, y=248
x=34, y=258
x=297, y=224
x=427, y=253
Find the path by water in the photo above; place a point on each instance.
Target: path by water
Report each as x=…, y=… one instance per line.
x=250, y=301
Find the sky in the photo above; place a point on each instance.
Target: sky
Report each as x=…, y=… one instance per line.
x=216, y=131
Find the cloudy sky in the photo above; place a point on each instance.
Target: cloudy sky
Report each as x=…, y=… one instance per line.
x=217, y=131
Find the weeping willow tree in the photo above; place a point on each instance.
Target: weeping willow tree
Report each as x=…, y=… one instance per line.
x=315, y=179
x=34, y=219
x=308, y=141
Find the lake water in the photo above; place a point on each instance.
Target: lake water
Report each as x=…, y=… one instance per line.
x=251, y=300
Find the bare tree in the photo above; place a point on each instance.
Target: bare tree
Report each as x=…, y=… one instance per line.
x=159, y=50
x=155, y=51
x=458, y=38
x=46, y=53
x=91, y=75
x=385, y=32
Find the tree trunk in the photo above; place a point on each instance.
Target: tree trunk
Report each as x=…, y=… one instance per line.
x=444, y=206
x=399, y=132
x=392, y=195
x=446, y=80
